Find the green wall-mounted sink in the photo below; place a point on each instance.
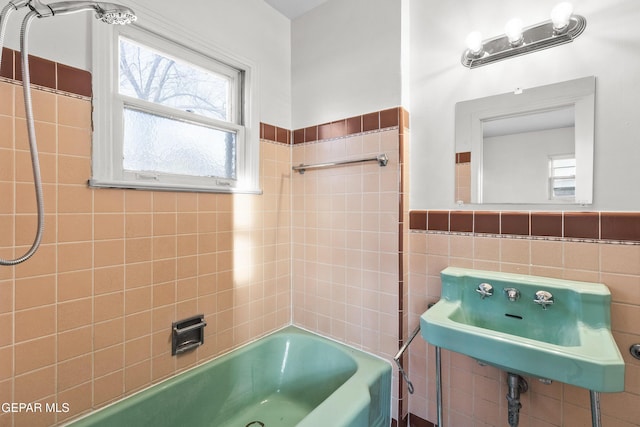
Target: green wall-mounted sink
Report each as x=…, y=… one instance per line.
x=567, y=339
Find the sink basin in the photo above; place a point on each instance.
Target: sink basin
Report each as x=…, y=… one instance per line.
x=568, y=340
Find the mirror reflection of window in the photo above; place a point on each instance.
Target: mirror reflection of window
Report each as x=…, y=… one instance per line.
x=562, y=177
x=516, y=162
x=511, y=137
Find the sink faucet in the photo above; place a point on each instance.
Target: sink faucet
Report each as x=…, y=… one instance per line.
x=512, y=293
x=543, y=298
x=485, y=290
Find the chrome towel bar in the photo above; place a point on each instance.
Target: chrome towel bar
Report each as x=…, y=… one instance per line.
x=382, y=160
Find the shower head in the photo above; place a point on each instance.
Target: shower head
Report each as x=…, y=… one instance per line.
x=115, y=14
x=110, y=13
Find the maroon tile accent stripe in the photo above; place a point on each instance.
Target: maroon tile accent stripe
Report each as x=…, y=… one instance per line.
x=70, y=80
x=438, y=220
x=365, y=123
x=416, y=421
x=487, y=222
x=515, y=223
x=354, y=125
x=268, y=132
x=42, y=71
x=47, y=73
x=609, y=226
x=7, y=63
x=461, y=221
x=371, y=121
x=389, y=118
x=583, y=225
x=275, y=133
x=298, y=136
x=324, y=131
x=546, y=224
x=464, y=157
x=311, y=134
x=620, y=225
x=338, y=128
x=418, y=220
x=283, y=135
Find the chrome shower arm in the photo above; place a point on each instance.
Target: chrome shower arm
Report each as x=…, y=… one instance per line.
x=110, y=13
x=39, y=8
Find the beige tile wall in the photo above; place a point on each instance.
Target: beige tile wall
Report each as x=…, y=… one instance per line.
x=463, y=182
x=475, y=395
x=345, y=242
x=87, y=320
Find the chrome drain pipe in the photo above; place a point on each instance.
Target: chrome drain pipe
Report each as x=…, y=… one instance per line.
x=517, y=385
x=439, y=386
x=596, y=419
x=398, y=356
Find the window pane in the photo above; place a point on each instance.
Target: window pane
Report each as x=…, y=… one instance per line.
x=564, y=171
x=156, y=77
x=564, y=187
x=157, y=144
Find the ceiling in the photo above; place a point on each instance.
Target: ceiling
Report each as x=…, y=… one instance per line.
x=294, y=8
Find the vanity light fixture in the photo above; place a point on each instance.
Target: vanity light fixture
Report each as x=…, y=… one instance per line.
x=562, y=28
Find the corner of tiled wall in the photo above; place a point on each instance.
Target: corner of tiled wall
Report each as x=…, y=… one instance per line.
x=348, y=233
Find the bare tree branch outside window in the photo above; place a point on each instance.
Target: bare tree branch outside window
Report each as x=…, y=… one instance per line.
x=147, y=75
x=162, y=144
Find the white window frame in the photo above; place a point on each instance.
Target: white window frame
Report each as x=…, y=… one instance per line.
x=108, y=105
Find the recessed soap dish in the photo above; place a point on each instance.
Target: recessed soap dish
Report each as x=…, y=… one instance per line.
x=187, y=334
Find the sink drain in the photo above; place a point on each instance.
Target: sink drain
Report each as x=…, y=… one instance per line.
x=255, y=424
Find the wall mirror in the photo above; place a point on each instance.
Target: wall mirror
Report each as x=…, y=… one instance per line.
x=532, y=146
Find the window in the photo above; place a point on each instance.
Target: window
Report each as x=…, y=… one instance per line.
x=562, y=177
x=171, y=117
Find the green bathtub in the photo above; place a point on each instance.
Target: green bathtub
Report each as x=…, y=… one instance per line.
x=289, y=378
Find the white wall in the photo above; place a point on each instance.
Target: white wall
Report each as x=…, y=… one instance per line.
x=250, y=29
x=345, y=60
x=516, y=166
x=607, y=49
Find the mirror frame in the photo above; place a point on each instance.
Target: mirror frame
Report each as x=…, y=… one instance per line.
x=469, y=116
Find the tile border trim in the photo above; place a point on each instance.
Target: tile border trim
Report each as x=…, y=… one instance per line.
x=593, y=227
x=46, y=74
x=391, y=118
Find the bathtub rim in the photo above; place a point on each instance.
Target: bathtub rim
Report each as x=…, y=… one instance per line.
x=294, y=328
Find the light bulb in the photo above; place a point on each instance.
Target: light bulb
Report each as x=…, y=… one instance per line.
x=513, y=30
x=474, y=42
x=561, y=14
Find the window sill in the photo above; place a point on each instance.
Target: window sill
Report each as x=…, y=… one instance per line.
x=93, y=183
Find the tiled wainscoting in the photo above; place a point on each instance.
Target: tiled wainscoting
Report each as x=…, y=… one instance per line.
x=591, y=246
x=87, y=320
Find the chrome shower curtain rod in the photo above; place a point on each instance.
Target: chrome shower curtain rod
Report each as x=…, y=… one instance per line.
x=382, y=160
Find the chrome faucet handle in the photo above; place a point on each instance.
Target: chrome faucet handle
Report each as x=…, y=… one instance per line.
x=485, y=290
x=543, y=298
x=512, y=293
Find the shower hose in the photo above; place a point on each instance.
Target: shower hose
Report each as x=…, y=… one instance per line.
x=35, y=163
